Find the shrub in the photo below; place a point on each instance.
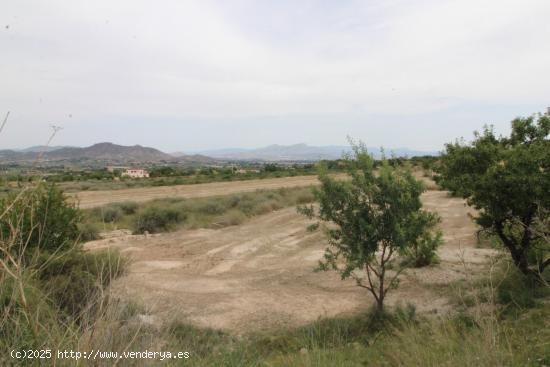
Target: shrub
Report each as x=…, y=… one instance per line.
x=88, y=231
x=266, y=207
x=518, y=292
x=247, y=204
x=111, y=213
x=22, y=304
x=72, y=281
x=128, y=207
x=203, y=342
x=156, y=219
x=234, y=201
x=232, y=218
x=212, y=207
x=423, y=251
x=42, y=217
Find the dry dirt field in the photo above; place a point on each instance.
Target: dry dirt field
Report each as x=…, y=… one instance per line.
x=89, y=199
x=259, y=275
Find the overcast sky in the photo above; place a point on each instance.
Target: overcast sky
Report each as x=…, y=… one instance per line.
x=190, y=75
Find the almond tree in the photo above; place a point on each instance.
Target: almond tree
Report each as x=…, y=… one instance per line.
x=369, y=220
x=507, y=179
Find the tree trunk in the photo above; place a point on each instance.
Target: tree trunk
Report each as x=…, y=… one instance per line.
x=518, y=251
x=380, y=305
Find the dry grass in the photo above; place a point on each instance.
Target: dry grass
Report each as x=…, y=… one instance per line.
x=214, y=212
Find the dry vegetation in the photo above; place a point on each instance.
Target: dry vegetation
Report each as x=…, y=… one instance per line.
x=213, y=286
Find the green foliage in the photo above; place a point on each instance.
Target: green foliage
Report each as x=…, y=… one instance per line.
x=22, y=305
x=216, y=348
x=211, y=207
x=507, y=179
x=73, y=280
x=423, y=251
x=88, y=231
x=372, y=218
x=156, y=219
x=517, y=292
x=40, y=218
x=202, y=342
x=48, y=284
x=170, y=214
x=111, y=213
x=128, y=207
x=67, y=176
x=271, y=167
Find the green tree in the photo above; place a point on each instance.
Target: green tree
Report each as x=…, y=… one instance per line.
x=369, y=220
x=507, y=179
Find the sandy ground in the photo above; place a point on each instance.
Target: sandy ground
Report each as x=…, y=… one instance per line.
x=89, y=199
x=259, y=275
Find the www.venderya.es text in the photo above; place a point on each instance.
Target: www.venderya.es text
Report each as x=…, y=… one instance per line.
x=43, y=354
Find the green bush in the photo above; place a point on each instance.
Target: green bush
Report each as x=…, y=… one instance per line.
x=112, y=213
x=424, y=250
x=212, y=207
x=202, y=342
x=128, y=207
x=233, y=201
x=73, y=280
x=88, y=231
x=21, y=306
x=43, y=219
x=517, y=291
x=157, y=219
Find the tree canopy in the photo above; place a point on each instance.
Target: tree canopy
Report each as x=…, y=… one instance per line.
x=507, y=179
x=369, y=220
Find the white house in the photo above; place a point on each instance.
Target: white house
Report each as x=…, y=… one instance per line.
x=135, y=173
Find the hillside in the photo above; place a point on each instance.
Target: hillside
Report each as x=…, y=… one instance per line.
x=99, y=153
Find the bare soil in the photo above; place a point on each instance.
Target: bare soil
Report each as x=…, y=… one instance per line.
x=259, y=275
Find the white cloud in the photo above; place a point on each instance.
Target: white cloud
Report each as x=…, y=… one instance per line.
x=234, y=61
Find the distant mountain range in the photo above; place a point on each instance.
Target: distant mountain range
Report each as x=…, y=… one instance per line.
x=101, y=153
x=40, y=148
x=302, y=152
x=109, y=153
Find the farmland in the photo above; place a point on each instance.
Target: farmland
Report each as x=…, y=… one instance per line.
x=89, y=199
x=260, y=275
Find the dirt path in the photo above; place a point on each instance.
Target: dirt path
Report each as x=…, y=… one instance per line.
x=89, y=199
x=260, y=274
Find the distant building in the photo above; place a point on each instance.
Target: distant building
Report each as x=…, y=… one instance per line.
x=135, y=173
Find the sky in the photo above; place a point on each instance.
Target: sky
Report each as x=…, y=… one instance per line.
x=187, y=76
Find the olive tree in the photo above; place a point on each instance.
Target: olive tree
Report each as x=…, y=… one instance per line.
x=507, y=179
x=369, y=220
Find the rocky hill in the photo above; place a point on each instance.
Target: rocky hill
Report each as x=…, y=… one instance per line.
x=99, y=153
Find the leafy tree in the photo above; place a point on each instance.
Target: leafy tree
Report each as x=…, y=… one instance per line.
x=369, y=219
x=507, y=179
x=40, y=218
